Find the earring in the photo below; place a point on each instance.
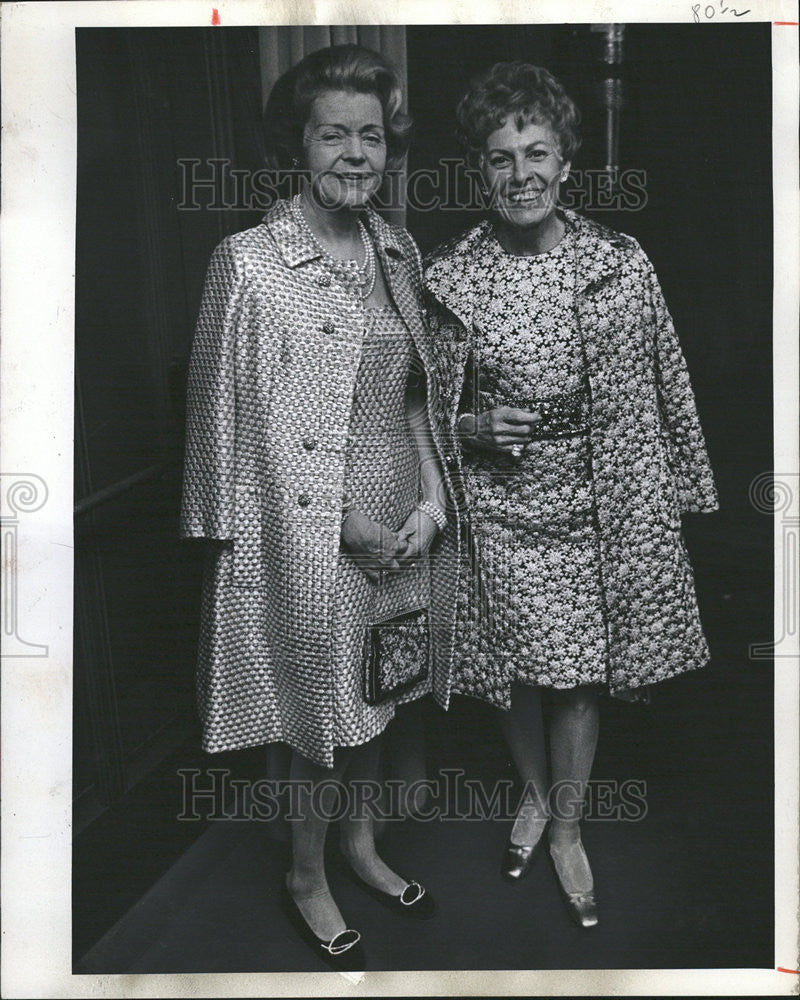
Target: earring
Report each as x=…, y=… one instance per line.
x=295, y=162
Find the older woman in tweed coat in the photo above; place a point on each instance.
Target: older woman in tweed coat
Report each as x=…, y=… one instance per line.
x=310, y=441
x=581, y=449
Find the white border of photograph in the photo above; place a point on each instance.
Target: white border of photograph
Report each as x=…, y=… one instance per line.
x=37, y=253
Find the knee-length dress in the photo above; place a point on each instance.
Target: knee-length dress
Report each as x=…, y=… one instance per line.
x=534, y=517
x=382, y=478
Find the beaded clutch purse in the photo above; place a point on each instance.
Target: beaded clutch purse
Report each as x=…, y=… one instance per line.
x=396, y=655
x=562, y=415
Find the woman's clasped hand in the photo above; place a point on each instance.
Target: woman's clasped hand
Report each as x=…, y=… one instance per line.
x=377, y=549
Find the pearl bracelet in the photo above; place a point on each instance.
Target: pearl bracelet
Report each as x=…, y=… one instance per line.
x=435, y=513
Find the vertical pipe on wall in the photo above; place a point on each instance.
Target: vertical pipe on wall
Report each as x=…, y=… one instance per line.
x=612, y=92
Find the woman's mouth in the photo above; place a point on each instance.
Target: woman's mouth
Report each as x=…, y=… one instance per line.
x=525, y=197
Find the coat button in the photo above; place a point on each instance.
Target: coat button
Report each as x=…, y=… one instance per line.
x=309, y=444
x=328, y=326
x=324, y=281
x=460, y=335
x=304, y=500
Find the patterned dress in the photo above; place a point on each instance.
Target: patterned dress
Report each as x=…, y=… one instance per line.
x=534, y=516
x=382, y=478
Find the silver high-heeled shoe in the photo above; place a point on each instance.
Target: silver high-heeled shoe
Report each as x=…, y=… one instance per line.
x=581, y=905
x=518, y=859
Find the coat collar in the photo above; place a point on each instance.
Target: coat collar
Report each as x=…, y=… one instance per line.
x=297, y=247
x=601, y=252
x=452, y=271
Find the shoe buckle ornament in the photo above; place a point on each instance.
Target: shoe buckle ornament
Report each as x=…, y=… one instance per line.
x=420, y=892
x=338, y=949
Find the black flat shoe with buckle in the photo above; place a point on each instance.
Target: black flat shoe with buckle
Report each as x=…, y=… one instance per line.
x=413, y=901
x=344, y=952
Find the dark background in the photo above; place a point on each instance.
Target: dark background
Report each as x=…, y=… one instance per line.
x=690, y=886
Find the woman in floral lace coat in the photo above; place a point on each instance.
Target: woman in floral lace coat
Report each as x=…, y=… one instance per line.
x=581, y=447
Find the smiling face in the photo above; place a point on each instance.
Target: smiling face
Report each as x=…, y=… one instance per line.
x=523, y=170
x=344, y=148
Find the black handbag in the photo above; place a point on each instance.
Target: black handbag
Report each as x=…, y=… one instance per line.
x=397, y=655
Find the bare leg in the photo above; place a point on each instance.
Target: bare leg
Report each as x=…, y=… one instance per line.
x=358, y=835
x=406, y=739
x=306, y=880
x=279, y=762
x=522, y=728
x=573, y=741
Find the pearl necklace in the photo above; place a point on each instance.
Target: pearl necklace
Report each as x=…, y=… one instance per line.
x=366, y=275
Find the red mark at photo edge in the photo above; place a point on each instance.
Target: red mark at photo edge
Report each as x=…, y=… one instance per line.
x=215, y=18
x=793, y=972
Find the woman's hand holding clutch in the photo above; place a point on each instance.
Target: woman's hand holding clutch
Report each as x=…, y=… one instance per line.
x=372, y=545
x=504, y=428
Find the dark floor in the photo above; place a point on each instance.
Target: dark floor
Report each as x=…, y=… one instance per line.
x=689, y=885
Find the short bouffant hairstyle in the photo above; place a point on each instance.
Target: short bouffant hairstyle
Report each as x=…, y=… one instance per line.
x=529, y=94
x=340, y=67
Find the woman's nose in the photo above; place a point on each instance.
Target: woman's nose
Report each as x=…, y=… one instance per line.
x=353, y=150
x=521, y=171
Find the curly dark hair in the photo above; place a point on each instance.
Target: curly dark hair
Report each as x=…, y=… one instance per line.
x=339, y=67
x=529, y=93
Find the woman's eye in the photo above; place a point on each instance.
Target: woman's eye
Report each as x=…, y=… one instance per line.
x=373, y=139
x=332, y=137
x=499, y=162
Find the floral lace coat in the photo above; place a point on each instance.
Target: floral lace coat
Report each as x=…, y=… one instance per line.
x=648, y=455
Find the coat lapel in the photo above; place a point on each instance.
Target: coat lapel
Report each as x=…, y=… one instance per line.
x=601, y=253
x=293, y=241
x=450, y=274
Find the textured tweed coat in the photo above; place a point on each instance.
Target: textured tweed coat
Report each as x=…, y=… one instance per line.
x=271, y=380
x=648, y=456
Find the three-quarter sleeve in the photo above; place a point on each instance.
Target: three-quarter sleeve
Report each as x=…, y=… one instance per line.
x=207, y=509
